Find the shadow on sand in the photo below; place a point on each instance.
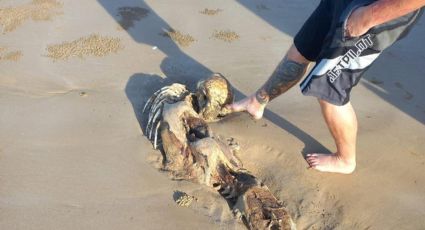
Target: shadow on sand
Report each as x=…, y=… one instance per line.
x=177, y=66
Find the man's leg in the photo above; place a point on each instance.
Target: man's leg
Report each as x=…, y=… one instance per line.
x=342, y=123
x=289, y=71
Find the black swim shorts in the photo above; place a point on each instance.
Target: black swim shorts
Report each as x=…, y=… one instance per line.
x=341, y=60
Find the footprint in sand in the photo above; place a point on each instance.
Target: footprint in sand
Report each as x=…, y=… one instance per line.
x=318, y=209
x=37, y=10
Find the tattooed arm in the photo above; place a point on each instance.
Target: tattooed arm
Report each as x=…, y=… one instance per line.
x=286, y=75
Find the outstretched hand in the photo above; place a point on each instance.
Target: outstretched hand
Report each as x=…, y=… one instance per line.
x=250, y=105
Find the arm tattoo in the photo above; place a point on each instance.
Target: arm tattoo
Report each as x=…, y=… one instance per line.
x=286, y=75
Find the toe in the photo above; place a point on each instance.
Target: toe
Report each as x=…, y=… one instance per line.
x=313, y=162
x=312, y=166
x=310, y=158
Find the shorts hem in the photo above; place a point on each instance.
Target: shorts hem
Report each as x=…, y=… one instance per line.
x=326, y=98
x=299, y=48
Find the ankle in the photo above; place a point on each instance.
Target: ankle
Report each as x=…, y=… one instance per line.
x=345, y=158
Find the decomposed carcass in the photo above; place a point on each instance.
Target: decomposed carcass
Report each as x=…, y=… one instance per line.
x=177, y=124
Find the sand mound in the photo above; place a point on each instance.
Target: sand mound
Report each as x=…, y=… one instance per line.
x=38, y=10
x=10, y=56
x=93, y=45
x=225, y=35
x=178, y=37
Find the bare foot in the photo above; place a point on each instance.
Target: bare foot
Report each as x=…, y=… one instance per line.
x=249, y=104
x=330, y=163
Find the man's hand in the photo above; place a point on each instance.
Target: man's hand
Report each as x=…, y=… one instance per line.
x=358, y=23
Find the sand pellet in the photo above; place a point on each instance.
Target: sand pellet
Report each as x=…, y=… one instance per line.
x=185, y=200
x=225, y=35
x=10, y=56
x=178, y=37
x=93, y=45
x=210, y=12
x=37, y=10
x=13, y=56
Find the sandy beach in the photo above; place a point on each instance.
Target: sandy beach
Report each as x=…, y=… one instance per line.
x=74, y=76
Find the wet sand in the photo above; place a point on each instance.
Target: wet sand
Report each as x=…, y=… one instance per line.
x=73, y=154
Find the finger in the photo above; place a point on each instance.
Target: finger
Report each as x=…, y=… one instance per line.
x=229, y=107
x=235, y=107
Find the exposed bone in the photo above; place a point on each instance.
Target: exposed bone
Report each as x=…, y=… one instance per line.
x=152, y=98
x=155, y=143
x=192, y=153
x=173, y=93
x=154, y=120
x=153, y=115
x=157, y=103
x=170, y=94
x=213, y=95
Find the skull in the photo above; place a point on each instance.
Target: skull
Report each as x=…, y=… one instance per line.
x=213, y=94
